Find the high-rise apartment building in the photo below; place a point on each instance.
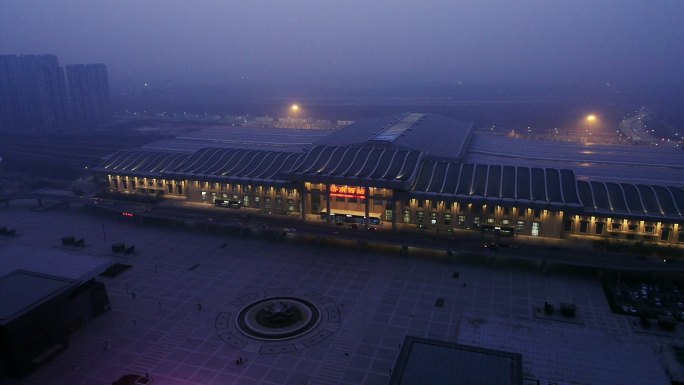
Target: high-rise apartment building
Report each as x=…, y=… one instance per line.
x=33, y=94
x=88, y=93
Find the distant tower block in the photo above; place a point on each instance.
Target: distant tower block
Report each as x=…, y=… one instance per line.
x=89, y=94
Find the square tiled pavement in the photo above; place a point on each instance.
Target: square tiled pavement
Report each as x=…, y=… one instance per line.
x=183, y=278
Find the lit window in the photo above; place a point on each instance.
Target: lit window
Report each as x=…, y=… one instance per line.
x=388, y=215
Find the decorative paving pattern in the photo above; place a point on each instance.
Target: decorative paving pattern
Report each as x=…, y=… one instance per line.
x=231, y=332
x=173, y=329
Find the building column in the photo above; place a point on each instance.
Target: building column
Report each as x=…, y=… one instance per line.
x=394, y=212
x=327, y=202
x=366, y=191
x=302, y=198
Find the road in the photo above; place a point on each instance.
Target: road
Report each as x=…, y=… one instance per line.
x=453, y=244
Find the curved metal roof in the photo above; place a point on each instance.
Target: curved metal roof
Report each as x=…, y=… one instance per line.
x=218, y=164
x=502, y=184
x=221, y=164
x=633, y=200
x=142, y=163
x=363, y=166
x=546, y=187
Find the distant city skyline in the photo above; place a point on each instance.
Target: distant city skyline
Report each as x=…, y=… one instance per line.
x=36, y=97
x=357, y=43
x=33, y=94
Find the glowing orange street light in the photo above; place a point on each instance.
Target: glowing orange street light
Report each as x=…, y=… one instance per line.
x=294, y=108
x=591, y=118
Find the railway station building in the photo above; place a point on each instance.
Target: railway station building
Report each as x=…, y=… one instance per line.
x=421, y=171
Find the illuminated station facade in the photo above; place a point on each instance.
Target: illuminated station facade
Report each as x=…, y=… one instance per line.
x=420, y=171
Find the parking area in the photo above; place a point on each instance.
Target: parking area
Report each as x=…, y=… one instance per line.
x=165, y=309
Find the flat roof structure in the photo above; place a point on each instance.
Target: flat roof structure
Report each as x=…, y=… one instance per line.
x=605, y=162
x=391, y=132
x=66, y=264
x=424, y=361
x=22, y=290
x=245, y=138
x=435, y=135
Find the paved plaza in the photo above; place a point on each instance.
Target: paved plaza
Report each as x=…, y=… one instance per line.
x=171, y=311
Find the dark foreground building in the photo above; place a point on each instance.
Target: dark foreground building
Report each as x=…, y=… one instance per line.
x=44, y=296
x=424, y=361
x=423, y=171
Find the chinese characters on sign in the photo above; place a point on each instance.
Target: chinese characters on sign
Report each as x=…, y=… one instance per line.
x=347, y=191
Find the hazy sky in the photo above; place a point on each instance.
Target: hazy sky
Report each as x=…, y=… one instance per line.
x=352, y=42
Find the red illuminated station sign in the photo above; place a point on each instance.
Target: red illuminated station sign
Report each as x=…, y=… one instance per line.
x=347, y=191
